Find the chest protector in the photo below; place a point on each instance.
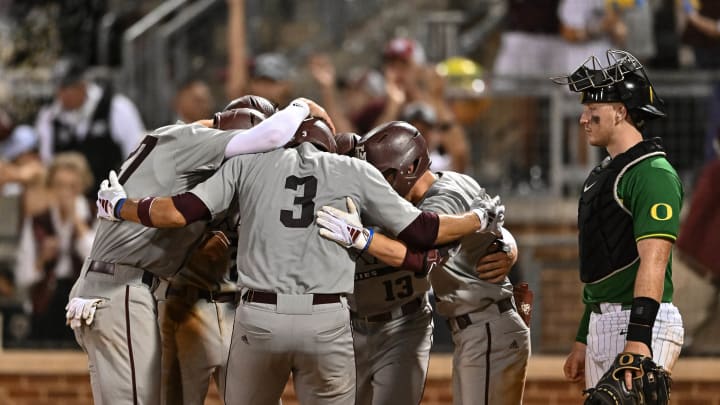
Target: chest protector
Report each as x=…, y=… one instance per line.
x=102, y=152
x=606, y=238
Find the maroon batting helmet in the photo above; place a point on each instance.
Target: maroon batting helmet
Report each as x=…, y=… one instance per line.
x=346, y=142
x=399, y=151
x=317, y=132
x=257, y=103
x=238, y=118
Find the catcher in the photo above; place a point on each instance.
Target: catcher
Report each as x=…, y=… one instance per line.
x=628, y=220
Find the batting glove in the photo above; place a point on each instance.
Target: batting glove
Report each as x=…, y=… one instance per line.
x=81, y=310
x=111, y=198
x=490, y=213
x=343, y=227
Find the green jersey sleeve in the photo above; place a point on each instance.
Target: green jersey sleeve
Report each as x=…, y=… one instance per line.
x=653, y=194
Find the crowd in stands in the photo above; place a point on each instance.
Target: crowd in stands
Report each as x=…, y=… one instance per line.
x=52, y=160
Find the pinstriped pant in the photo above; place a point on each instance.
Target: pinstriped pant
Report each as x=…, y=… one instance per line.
x=607, y=333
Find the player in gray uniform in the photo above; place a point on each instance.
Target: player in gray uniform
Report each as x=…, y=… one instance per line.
x=111, y=306
x=196, y=308
x=391, y=316
x=293, y=316
x=491, y=340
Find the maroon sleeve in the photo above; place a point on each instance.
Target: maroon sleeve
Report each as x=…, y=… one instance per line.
x=421, y=233
x=191, y=207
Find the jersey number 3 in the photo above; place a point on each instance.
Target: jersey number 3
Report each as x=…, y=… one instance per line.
x=305, y=201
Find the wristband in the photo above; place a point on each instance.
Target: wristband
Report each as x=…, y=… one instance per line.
x=118, y=208
x=642, y=318
x=143, y=211
x=370, y=238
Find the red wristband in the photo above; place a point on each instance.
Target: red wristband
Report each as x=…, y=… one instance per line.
x=143, y=210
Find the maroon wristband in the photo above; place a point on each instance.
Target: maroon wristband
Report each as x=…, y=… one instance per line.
x=143, y=210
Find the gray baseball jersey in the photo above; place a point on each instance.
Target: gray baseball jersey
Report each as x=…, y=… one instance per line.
x=279, y=247
x=491, y=350
x=457, y=287
x=169, y=161
x=380, y=288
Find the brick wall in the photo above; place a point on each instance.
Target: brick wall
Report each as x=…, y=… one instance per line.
x=60, y=378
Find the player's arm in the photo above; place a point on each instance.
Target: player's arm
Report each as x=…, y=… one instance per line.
x=164, y=212
x=277, y=130
x=428, y=229
x=653, y=194
x=204, y=202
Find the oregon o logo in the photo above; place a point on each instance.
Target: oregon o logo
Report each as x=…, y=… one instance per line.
x=625, y=359
x=661, y=212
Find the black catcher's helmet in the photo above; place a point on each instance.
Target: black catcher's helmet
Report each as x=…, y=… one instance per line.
x=624, y=80
x=315, y=131
x=257, y=103
x=238, y=118
x=399, y=151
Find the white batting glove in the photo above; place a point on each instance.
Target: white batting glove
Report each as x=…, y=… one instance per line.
x=343, y=227
x=81, y=310
x=490, y=212
x=111, y=195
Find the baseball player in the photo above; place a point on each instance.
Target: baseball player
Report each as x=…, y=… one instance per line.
x=111, y=308
x=491, y=340
x=628, y=220
x=196, y=308
x=293, y=316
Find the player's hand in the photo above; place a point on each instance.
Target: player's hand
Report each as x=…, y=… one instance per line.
x=317, y=111
x=494, y=267
x=81, y=310
x=634, y=347
x=110, y=198
x=574, y=368
x=343, y=227
x=491, y=214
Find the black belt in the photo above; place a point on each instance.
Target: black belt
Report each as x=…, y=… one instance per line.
x=406, y=309
x=264, y=297
x=109, y=268
x=198, y=293
x=595, y=307
x=463, y=321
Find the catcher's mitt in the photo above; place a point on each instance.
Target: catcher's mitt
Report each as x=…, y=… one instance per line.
x=650, y=383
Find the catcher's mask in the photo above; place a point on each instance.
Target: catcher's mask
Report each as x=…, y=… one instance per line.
x=238, y=118
x=624, y=80
x=399, y=151
x=257, y=103
x=315, y=131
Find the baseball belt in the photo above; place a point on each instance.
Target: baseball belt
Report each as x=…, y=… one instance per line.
x=110, y=268
x=405, y=309
x=463, y=321
x=264, y=297
x=193, y=293
x=596, y=308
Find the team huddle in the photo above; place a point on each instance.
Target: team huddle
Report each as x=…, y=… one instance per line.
x=302, y=260
x=260, y=244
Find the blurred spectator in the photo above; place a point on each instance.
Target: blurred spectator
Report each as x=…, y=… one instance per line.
x=696, y=262
x=96, y=121
x=18, y=155
x=638, y=16
x=267, y=75
x=530, y=43
x=441, y=147
x=53, y=245
x=702, y=32
x=21, y=172
x=193, y=101
x=323, y=71
x=589, y=27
